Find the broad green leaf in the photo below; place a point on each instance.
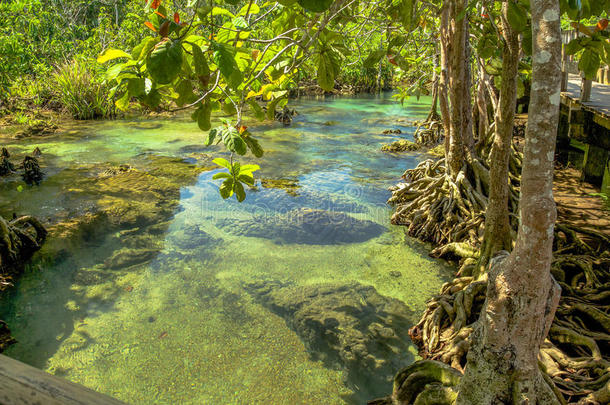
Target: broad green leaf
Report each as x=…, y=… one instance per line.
x=202, y=70
x=249, y=168
x=254, y=146
x=140, y=51
x=123, y=102
x=165, y=61
x=240, y=193
x=222, y=162
x=224, y=57
x=111, y=54
x=136, y=87
x=328, y=69
x=185, y=93
x=246, y=178
x=517, y=16
x=254, y=9
x=114, y=71
x=221, y=175
x=487, y=46
x=406, y=14
x=211, y=136
x=203, y=119
x=573, y=46
x=373, y=58
x=315, y=6
x=257, y=110
x=217, y=11
x=589, y=64
x=527, y=43
x=226, y=188
x=233, y=141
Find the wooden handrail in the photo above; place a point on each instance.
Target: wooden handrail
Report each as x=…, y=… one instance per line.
x=21, y=384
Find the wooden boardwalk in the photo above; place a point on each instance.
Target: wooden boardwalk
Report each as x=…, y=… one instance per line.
x=599, y=102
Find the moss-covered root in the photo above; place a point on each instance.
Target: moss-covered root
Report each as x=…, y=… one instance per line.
x=19, y=239
x=424, y=382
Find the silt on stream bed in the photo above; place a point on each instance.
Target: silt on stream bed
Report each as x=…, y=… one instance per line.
x=153, y=289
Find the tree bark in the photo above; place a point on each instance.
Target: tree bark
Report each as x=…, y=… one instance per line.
x=444, y=76
x=497, y=227
x=460, y=139
x=522, y=295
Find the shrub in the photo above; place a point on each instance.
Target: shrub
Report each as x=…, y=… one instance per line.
x=81, y=93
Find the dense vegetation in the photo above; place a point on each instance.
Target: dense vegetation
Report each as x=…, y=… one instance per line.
x=486, y=203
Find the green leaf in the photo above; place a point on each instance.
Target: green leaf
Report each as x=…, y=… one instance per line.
x=240, y=193
x=203, y=118
x=202, y=70
x=315, y=6
x=123, y=102
x=249, y=169
x=589, y=64
x=226, y=188
x=254, y=9
x=114, y=71
x=406, y=14
x=573, y=46
x=487, y=46
x=165, y=61
x=517, y=16
x=257, y=110
x=136, y=87
x=221, y=175
x=254, y=146
x=233, y=141
x=140, y=51
x=222, y=162
x=111, y=54
x=224, y=57
x=328, y=69
x=373, y=58
x=235, y=169
x=211, y=136
x=185, y=93
x=246, y=178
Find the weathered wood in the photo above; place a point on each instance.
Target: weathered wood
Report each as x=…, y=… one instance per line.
x=599, y=102
x=21, y=384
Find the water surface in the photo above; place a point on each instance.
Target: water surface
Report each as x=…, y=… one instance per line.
x=197, y=320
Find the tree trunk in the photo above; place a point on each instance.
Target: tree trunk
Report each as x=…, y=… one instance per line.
x=497, y=227
x=444, y=76
x=460, y=139
x=522, y=295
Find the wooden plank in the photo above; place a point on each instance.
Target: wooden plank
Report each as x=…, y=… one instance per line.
x=21, y=384
x=599, y=102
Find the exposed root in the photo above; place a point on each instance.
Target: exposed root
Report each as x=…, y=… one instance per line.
x=430, y=132
x=439, y=208
x=423, y=383
x=576, y=355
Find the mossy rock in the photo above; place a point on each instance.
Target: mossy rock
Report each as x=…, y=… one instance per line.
x=306, y=226
x=124, y=258
x=347, y=326
x=193, y=237
x=402, y=145
x=290, y=186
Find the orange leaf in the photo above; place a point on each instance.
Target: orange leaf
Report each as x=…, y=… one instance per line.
x=149, y=25
x=159, y=14
x=602, y=24
x=391, y=60
x=164, y=29
x=176, y=18
x=255, y=54
x=242, y=129
x=155, y=4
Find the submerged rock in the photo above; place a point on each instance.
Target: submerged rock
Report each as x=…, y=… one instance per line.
x=124, y=258
x=307, y=226
x=401, y=145
x=193, y=237
x=347, y=326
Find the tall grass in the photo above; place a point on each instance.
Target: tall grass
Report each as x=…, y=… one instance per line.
x=81, y=93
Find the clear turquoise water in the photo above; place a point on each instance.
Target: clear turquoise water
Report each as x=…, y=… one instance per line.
x=181, y=328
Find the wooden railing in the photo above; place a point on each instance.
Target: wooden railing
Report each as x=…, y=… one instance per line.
x=21, y=384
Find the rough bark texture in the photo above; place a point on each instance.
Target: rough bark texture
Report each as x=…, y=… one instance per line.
x=522, y=296
x=497, y=227
x=461, y=140
x=444, y=76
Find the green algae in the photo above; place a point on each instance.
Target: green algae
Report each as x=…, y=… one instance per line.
x=140, y=294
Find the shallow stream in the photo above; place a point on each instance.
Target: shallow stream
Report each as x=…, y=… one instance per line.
x=153, y=289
